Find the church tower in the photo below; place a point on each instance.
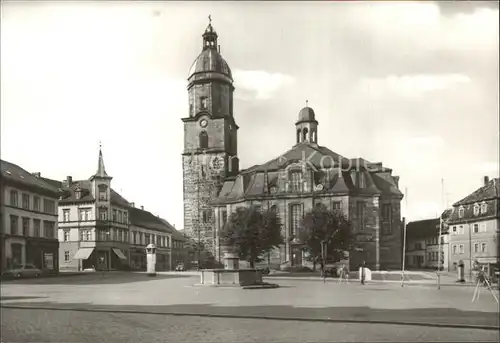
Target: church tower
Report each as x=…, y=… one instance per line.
x=210, y=140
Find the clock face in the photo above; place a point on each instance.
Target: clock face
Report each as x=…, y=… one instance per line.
x=203, y=123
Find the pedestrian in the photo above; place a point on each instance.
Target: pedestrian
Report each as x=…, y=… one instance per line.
x=344, y=275
x=322, y=266
x=363, y=265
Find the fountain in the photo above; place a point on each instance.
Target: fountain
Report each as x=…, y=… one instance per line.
x=233, y=276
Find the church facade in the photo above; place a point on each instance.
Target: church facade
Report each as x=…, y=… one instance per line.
x=305, y=176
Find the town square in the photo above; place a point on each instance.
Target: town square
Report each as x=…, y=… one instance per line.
x=171, y=308
x=249, y=172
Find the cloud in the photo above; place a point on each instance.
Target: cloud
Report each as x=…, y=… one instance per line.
x=411, y=85
x=424, y=210
x=261, y=84
x=427, y=141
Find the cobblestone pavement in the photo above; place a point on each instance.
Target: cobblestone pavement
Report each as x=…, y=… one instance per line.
x=62, y=326
x=295, y=299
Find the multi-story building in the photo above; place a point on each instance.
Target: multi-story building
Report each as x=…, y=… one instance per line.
x=99, y=229
x=305, y=176
x=147, y=228
x=474, y=228
x=28, y=219
x=422, y=244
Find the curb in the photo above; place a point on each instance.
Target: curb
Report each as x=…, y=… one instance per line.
x=238, y=316
x=356, y=281
x=50, y=276
x=236, y=286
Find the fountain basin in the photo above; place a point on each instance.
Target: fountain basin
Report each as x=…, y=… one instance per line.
x=244, y=278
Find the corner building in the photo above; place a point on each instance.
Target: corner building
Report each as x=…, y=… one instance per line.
x=303, y=177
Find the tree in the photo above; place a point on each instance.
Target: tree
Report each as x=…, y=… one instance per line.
x=331, y=226
x=252, y=233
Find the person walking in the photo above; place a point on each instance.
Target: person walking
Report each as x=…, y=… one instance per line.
x=344, y=274
x=363, y=276
x=322, y=267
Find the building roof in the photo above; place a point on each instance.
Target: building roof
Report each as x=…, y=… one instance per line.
x=306, y=115
x=423, y=228
x=176, y=234
x=259, y=180
x=210, y=60
x=446, y=214
x=490, y=190
x=14, y=173
x=146, y=219
x=101, y=171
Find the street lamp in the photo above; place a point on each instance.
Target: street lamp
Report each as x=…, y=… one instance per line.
x=439, y=251
x=323, y=256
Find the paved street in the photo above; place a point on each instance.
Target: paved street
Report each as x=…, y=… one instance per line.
x=322, y=311
x=61, y=326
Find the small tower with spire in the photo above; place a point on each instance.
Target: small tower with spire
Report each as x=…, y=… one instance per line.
x=101, y=188
x=307, y=126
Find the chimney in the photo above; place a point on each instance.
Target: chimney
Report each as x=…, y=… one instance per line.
x=69, y=180
x=37, y=174
x=486, y=180
x=132, y=204
x=142, y=208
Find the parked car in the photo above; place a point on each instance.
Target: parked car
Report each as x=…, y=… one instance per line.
x=27, y=270
x=180, y=268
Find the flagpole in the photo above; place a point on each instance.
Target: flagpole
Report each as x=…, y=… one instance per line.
x=439, y=237
x=404, y=239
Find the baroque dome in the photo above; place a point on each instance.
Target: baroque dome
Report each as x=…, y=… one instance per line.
x=306, y=114
x=210, y=61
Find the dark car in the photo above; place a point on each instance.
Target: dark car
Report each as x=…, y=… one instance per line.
x=180, y=268
x=25, y=270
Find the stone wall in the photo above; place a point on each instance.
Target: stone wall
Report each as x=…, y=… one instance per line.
x=366, y=237
x=202, y=176
x=391, y=240
x=215, y=130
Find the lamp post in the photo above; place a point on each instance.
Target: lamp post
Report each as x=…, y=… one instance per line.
x=439, y=251
x=470, y=252
x=404, y=240
x=323, y=256
x=439, y=239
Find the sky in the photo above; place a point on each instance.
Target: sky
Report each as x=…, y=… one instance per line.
x=413, y=85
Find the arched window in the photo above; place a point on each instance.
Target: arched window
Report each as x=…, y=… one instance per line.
x=298, y=136
x=313, y=136
x=304, y=134
x=274, y=208
x=203, y=140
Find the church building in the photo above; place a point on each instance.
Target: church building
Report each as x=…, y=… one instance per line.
x=305, y=176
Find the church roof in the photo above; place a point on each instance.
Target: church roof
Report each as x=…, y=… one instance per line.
x=210, y=60
x=306, y=115
x=333, y=171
